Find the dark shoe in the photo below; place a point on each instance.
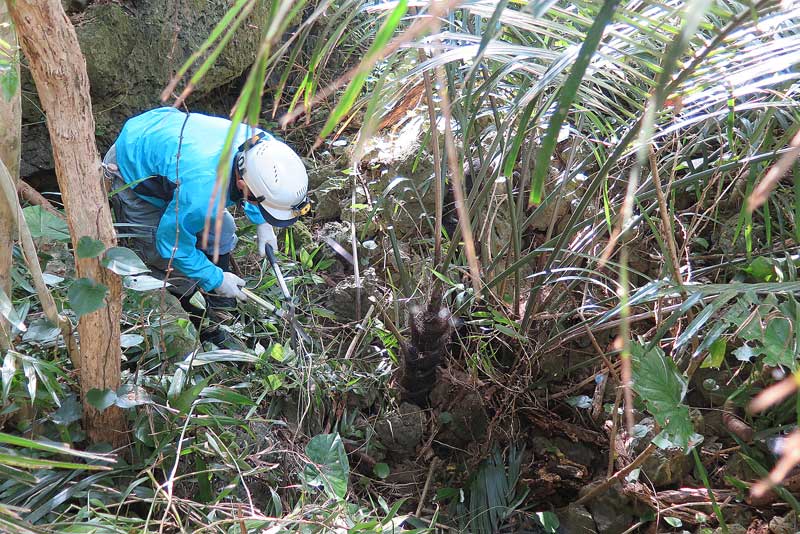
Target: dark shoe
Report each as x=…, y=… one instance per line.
x=219, y=303
x=221, y=338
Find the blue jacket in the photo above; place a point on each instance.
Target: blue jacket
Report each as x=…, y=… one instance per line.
x=147, y=156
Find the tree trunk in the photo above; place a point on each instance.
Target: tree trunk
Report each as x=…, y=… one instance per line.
x=58, y=67
x=10, y=118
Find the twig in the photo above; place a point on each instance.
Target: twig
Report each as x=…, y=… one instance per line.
x=9, y=195
x=362, y=328
x=618, y=475
x=32, y=196
x=456, y=172
x=434, y=465
x=780, y=168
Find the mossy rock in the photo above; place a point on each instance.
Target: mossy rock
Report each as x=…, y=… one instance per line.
x=132, y=49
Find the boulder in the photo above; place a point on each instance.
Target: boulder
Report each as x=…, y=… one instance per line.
x=400, y=431
x=132, y=49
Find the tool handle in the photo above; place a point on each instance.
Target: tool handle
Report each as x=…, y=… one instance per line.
x=271, y=255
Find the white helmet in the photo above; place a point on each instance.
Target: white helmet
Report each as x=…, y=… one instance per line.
x=276, y=177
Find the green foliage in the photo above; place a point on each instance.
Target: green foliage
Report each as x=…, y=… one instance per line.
x=86, y=295
x=44, y=225
x=89, y=248
x=328, y=466
x=123, y=261
x=662, y=388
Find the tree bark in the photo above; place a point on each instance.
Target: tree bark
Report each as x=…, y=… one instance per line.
x=10, y=131
x=58, y=67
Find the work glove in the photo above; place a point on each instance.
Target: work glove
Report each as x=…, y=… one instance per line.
x=266, y=236
x=231, y=287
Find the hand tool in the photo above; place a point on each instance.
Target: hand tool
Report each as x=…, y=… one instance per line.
x=297, y=330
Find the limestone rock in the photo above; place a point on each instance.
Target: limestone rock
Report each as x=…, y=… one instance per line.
x=664, y=468
x=576, y=519
x=612, y=511
x=401, y=430
x=787, y=524
x=132, y=48
x=342, y=299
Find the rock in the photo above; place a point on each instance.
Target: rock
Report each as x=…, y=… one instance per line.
x=465, y=421
x=401, y=431
x=576, y=452
x=329, y=196
x=131, y=50
x=787, y=524
x=342, y=299
x=664, y=468
x=612, y=511
x=736, y=466
x=576, y=519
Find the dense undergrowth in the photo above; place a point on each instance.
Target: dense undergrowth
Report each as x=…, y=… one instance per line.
x=638, y=130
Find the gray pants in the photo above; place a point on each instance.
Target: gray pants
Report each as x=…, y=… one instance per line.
x=137, y=221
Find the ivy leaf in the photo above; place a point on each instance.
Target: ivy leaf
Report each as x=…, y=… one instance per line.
x=123, y=261
x=101, y=398
x=89, y=248
x=86, y=296
x=69, y=412
x=328, y=467
x=662, y=387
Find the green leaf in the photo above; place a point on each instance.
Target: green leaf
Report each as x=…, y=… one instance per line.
x=662, y=387
x=674, y=522
x=7, y=310
x=36, y=463
x=276, y=352
x=69, y=412
x=328, y=465
x=57, y=448
x=89, y=248
x=130, y=396
x=184, y=401
x=101, y=398
x=716, y=355
x=275, y=382
x=354, y=88
x=779, y=343
x=549, y=521
x=45, y=225
x=581, y=401
x=86, y=296
x=123, y=261
x=381, y=470
x=746, y=353
x=565, y=97
x=764, y=269
x=9, y=83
